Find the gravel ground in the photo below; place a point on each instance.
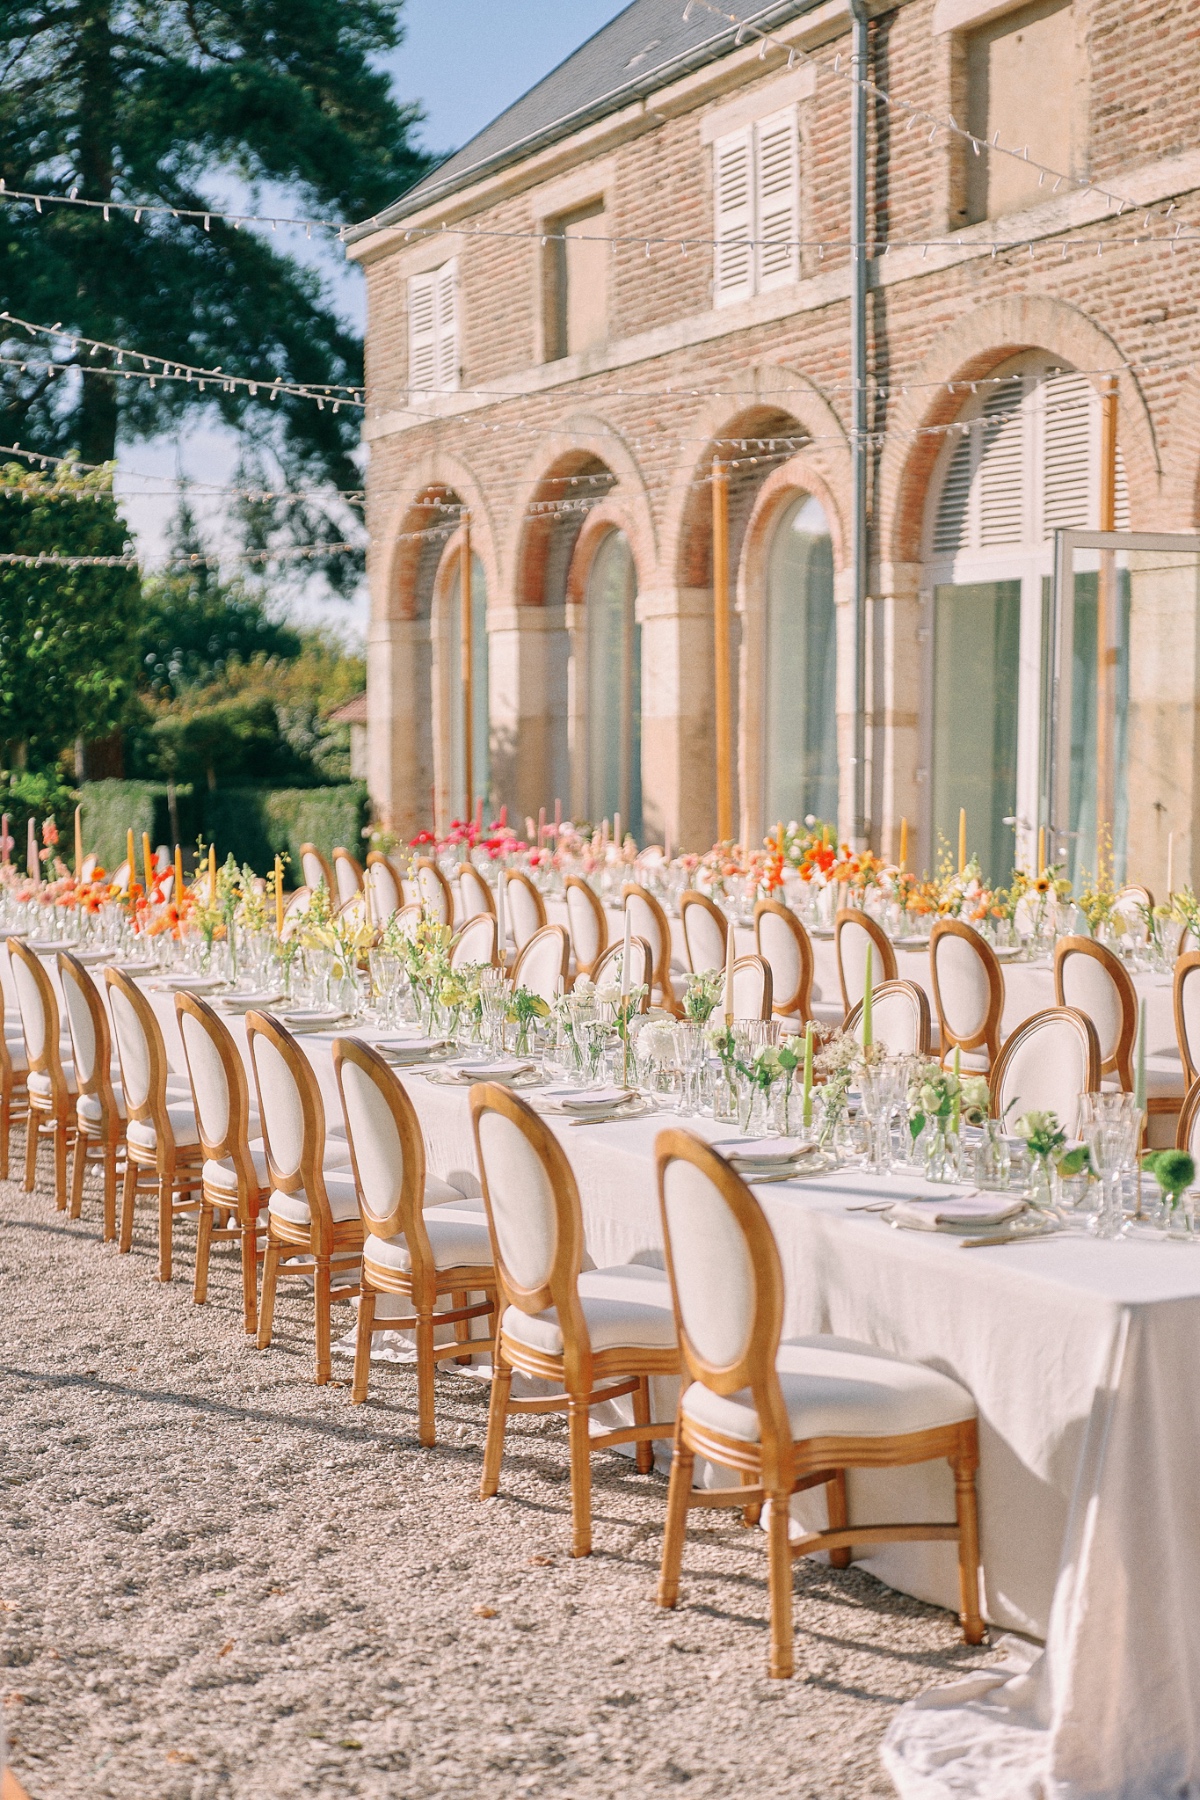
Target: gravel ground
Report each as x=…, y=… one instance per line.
x=220, y=1580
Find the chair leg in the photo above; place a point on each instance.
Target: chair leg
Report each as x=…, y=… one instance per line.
x=966, y=1508
x=5, y=1125
x=426, y=1428
x=839, y=1517
x=643, y=1454
x=204, y=1231
x=680, y=1486
x=266, y=1311
x=165, y=1228
x=462, y=1331
x=31, y=1150
x=60, y=1164
x=78, y=1170
x=493, y=1449
x=362, y=1344
x=322, y=1283
x=128, y=1199
x=249, y=1248
x=779, y=1577
x=752, y=1513
x=110, y=1193
x=581, y=1477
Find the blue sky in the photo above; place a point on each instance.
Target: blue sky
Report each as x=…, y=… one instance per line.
x=465, y=61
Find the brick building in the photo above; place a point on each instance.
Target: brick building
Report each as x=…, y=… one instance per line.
x=645, y=263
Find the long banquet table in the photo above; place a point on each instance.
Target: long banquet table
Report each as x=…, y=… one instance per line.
x=1081, y=1357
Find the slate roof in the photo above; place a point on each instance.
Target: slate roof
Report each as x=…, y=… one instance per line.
x=643, y=48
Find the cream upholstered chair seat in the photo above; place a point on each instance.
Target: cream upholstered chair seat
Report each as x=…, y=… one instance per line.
x=219, y=1171
x=182, y=1116
x=39, y=1082
x=459, y=1241
x=343, y=1200
x=625, y=1307
x=90, y=1106
x=837, y=1387
x=1164, y=1078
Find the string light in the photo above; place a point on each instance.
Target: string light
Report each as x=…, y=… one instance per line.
x=186, y=484
x=44, y=559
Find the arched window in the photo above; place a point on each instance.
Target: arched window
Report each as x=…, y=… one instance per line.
x=481, y=758
x=1027, y=460
x=800, y=722
x=614, y=662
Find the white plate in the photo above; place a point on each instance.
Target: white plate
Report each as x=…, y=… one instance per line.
x=591, y=1099
x=415, y=1049
x=763, y=1153
x=244, y=1003
x=314, y=1021
x=190, y=984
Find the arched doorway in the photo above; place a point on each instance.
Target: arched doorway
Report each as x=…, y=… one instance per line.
x=800, y=775
x=481, y=759
x=1026, y=461
x=614, y=685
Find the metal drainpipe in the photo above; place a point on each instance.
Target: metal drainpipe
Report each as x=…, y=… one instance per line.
x=858, y=381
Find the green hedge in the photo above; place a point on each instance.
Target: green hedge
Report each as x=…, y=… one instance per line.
x=254, y=823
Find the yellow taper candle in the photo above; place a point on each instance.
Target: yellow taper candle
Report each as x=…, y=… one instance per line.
x=177, y=891
x=147, y=861
x=962, y=839
x=279, y=896
x=904, y=843
x=212, y=875
x=1041, y=849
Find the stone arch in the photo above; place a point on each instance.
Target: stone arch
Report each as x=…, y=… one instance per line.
x=586, y=458
x=971, y=348
x=414, y=540
x=1181, y=460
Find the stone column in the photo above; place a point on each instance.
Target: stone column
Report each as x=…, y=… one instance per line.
x=399, y=739
x=894, y=720
x=527, y=654
x=678, y=746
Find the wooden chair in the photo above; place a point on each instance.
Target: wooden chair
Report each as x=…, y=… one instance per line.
x=852, y=932
x=474, y=893
x=900, y=1019
x=792, y=1415
x=524, y=908
x=409, y=917
x=1187, y=1129
x=385, y=887
x=409, y=1254
x=316, y=869
x=50, y=1082
x=751, y=988
x=347, y=875
x=542, y=962
x=312, y=1215
x=588, y=923
x=162, y=1139
x=1131, y=907
x=597, y=1335
x=437, y=900
x=235, y=1184
x=1045, y=1065
x=786, y=947
x=1187, y=1013
x=99, y=1108
x=1089, y=977
x=14, y=1092
x=607, y=968
x=650, y=922
x=476, y=943
x=294, y=909
x=968, y=991
x=705, y=931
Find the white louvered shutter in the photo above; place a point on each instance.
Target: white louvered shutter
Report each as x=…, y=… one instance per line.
x=733, y=202
x=446, y=299
x=422, y=333
x=777, y=194
x=1070, y=429
x=951, y=531
x=1001, y=471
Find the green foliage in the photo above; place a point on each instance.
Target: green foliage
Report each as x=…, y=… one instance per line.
x=168, y=103
x=66, y=634
x=255, y=824
x=27, y=794
x=111, y=807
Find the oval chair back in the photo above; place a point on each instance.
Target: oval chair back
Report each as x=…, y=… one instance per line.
x=292, y=1116
x=91, y=1043
x=38, y=1006
x=542, y=963
x=900, y=1019
x=434, y=891
x=409, y=917
x=348, y=874
x=387, y=1151
x=475, y=943
x=1187, y=1129
x=1045, y=1066
x=534, y=1216
x=852, y=932
x=1090, y=978
x=968, y=991
x=650, y=922
x=786, y=948
x=14, y=1094
x=88, y=867
x=524, y=908
x=705, y=930
x=316, y=869
x=607, y=967
x=1132, y=907
x=1187, y=1013
x=387, y=895
x=474, y=894
x=751, y=988
x=588, y=923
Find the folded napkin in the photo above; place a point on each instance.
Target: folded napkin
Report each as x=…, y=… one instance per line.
x=598, y=1099
x=241, y=1003
x=469, y=1073
x=410, y=1050
x=189, y=984
x=957, y=1212
x=763, y=1153
x=314, y=1021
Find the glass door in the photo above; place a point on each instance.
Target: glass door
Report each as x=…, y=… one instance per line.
x=976, y=681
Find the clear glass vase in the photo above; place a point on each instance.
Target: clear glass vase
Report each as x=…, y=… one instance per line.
x=943, y=1161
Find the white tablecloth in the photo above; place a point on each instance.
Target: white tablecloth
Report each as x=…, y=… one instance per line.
x=1081, y=1356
